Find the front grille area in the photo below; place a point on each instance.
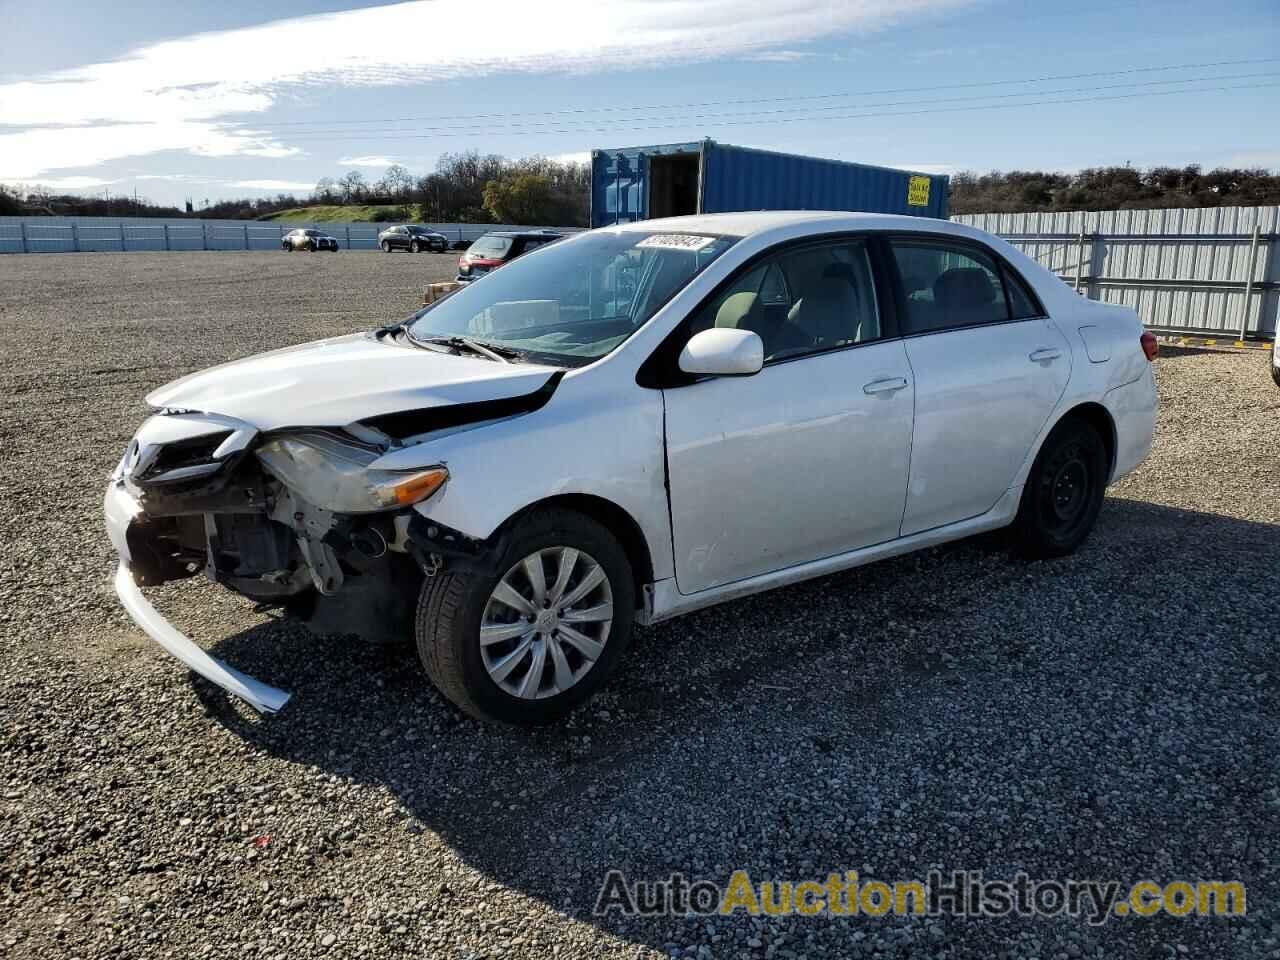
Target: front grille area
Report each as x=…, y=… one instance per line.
x=193, y=452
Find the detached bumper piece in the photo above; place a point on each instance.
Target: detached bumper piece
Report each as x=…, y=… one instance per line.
x=262, y=697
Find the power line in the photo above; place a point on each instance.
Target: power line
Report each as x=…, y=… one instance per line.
x=523, y=127
x=789, y=99
x=829, y=119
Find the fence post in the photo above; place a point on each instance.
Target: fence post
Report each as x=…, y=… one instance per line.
x=1248, y=283
x=1080, y=258
x=22, y=229
x=348, y=236
x=75, y=238
x=123, y=248
x=204, y=236
x=166, y=236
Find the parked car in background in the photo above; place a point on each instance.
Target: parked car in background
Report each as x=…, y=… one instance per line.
x=308, y=239
x=500, y=247
x=637, y=422
x=415, y=239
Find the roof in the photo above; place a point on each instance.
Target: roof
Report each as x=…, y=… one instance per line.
x=751, y=222
x=523, y=233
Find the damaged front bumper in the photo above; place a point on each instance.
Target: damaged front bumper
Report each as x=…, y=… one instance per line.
x=121, y=511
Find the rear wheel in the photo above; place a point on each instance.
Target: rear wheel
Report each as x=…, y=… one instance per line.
x=1275, y=359
x=528, y=643
x=1064, y=491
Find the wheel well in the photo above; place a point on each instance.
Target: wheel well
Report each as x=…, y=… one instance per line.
x=618, y=522
x=1097, y=416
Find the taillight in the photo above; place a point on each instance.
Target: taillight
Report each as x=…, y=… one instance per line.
x=1150, y=345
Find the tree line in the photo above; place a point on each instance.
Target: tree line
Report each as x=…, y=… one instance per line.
x=464, y=188
x=488, y=188
x=1112, y=188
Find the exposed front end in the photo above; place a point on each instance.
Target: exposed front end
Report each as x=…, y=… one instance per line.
x=290, y=518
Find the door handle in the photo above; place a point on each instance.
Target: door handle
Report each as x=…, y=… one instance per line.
x=1045, y=355
x=887, y=385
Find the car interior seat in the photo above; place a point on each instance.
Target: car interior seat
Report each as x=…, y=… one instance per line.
x=744, y=311
x=964, y=296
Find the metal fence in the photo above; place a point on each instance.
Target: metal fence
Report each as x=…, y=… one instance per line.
x=129, y=234
x=1205, y=270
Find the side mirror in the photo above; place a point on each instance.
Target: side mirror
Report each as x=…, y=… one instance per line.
x=723, y=352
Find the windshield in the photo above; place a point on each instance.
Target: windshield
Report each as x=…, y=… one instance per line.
x=574, y=301
x=492, y=247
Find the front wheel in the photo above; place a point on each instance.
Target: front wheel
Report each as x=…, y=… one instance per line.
x=1275, y=359
x=386, y=247
x=415, y=247
x=528, y=643
x=1064, y=491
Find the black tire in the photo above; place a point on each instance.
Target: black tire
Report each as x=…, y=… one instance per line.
x=1275, y=357
x=311, y=247
x=1064, y=492
x=386, y=247
x=451, y=604
x=288, y=247
x=415, y=247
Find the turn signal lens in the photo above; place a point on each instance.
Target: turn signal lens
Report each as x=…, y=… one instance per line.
x=1150, y=345
x=419, y=486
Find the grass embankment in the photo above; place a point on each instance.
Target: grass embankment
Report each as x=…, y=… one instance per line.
x=333, y=213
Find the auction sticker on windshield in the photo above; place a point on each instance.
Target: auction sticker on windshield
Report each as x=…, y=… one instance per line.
x=676, y=241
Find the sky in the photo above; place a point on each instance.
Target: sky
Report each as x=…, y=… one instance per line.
x=229, y=99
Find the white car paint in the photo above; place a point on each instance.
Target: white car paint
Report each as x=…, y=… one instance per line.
x=802, y=469
x=341, y=380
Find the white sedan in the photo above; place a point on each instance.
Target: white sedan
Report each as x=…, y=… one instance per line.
x=631, y=424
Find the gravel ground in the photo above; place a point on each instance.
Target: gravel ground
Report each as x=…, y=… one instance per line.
x=1111, y=715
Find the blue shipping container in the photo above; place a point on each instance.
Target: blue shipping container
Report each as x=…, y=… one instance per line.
x=673, y=179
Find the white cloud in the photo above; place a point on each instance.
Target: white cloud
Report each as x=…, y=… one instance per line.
x=180, y=94
x=285, y=186
x=365, y=162
x=782, y=56
x=29, y=153
x=1268, y=160
x=939, y=168
x=64, y=183
x=577, y=156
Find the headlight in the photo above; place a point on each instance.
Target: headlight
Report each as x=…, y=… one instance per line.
x=335, y=475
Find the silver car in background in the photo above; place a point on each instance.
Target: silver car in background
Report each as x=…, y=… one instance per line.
x=305, y=238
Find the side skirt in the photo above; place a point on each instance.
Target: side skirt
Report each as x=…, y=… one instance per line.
x=668, y=602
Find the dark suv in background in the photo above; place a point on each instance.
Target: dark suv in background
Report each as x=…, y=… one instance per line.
x=412, y=238
x=502, y=246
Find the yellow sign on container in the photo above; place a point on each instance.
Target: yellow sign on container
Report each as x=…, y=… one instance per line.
x=918, y=192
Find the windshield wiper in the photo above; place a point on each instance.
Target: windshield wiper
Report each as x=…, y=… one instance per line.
x=493, y=352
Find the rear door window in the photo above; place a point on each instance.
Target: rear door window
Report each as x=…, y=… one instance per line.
x=948, y=286
x=1022, y=302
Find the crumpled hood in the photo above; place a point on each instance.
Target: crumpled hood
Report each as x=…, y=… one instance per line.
x=338, y=381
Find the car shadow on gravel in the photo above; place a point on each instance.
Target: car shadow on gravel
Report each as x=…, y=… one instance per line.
x=841, y=721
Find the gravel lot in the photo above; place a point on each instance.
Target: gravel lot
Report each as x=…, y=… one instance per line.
x=1113, y=714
